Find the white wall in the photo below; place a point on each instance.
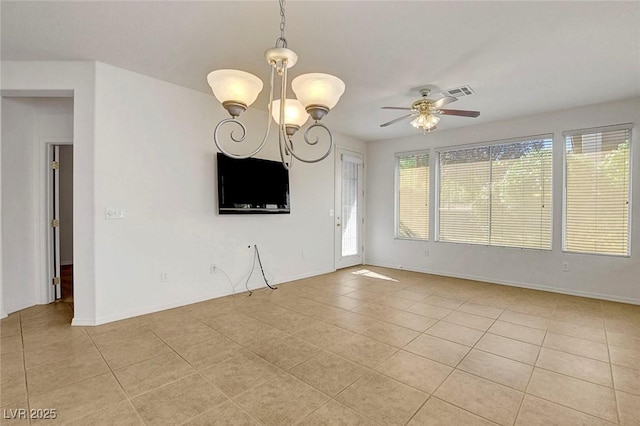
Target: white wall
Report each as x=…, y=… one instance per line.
x=145, y=146
x=77, y=79
x=28, y=122
x=18, y=195
x=155, y=159
x=66, y=204
x=3, y=312
x=608, y=277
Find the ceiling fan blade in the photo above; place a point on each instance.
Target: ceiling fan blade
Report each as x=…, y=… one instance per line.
x=443, y=101
x=404, y=117
x=459, y=112
x=402, y=108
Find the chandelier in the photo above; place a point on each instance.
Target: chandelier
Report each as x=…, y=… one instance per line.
x=316, y=93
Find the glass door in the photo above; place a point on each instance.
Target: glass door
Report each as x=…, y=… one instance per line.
x=349, y=216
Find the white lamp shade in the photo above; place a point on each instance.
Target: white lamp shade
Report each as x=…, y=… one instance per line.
x=294, y=112
x=318, y=89
x=426, y=122
x=234, y=85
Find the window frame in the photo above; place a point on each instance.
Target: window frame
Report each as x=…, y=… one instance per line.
x=486, y=144
x=396, y=208
x=591, y=130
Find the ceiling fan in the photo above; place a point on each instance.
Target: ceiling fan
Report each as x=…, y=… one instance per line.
x=426, y=111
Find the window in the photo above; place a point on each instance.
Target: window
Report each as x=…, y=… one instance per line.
x=497, y=194
x=412, y=196
x=596, y=192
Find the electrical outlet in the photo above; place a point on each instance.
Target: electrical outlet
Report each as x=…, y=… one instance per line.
x=212, y=269
x=164, y=277
x=565, y=266
x=302, y=255
x=426, y=252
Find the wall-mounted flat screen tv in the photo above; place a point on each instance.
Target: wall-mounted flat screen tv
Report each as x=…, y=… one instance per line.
x=252, y=186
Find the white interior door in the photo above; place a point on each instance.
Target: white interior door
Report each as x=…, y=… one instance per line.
x=349, y=203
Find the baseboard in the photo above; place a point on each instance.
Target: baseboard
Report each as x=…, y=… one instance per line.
x=152, y=309
x=569, y=292
x=289, y=279
x=77, y=322
x=145, y=311
x=3, y=314
x=303, y=276
x=19, y=306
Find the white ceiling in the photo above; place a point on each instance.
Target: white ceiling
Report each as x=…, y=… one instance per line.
x=521, y=58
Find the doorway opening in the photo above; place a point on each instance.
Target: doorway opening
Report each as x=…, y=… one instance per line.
x=60, y=209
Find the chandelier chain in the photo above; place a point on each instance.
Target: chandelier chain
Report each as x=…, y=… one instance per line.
x=283, y=21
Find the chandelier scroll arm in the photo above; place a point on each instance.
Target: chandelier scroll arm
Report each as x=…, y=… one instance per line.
x=234, y=120
x=289, y=144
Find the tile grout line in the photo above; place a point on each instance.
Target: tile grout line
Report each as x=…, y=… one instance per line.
x=135, y=410
x=419, y=408
x=24, y=366
x=369, y=369
x=327, y=402
x=199, y=372
x=613, y=383
x=533, y=369
x=347, y=387
x=571, y=377
x=453, y=369
x=288, y=371
x=129, y=397
x=262, y=383
x=474, y=347
x=126, y=394
x=600, y=419
x=25, y=363
x=461, y=408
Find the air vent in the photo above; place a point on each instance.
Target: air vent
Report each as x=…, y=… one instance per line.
x=458, y=92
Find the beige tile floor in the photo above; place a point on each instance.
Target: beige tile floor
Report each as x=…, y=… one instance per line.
x=361, y=346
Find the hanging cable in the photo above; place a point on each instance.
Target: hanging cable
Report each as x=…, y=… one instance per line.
x=233, y=287
x=256, y=255
x=262, y=269
x=253, y=266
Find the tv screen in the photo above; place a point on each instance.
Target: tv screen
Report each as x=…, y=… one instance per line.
x=252, y=186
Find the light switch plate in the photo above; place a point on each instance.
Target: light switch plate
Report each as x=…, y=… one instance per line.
x=113, y=213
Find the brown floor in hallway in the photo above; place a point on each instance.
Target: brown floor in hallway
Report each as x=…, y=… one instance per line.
x=362, y=346
x=66, y=280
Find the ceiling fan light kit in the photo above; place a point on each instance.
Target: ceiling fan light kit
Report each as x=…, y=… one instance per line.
x=425, y=121
x=316, y=93
x=425, y=111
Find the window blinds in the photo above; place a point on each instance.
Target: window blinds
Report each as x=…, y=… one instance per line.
x=498, y=194
x=596, y=197
x=412, y=196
